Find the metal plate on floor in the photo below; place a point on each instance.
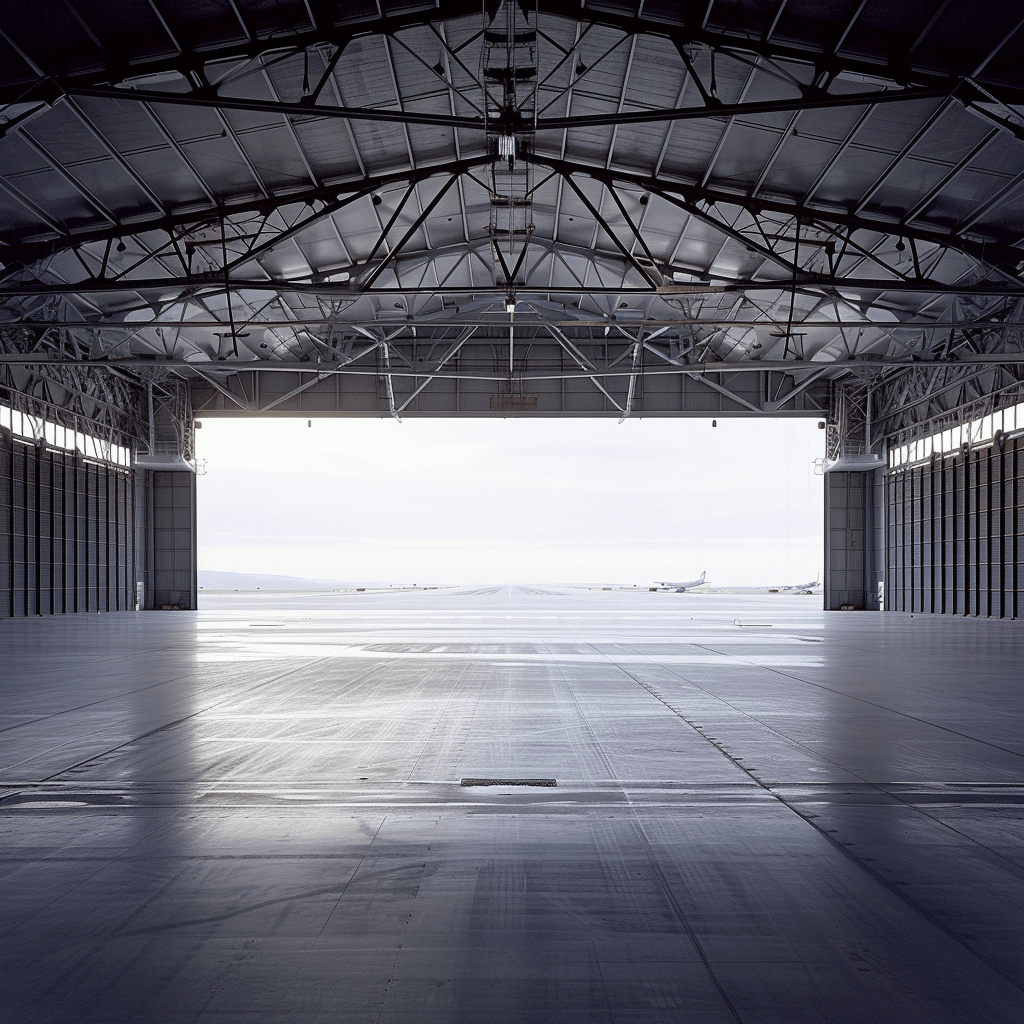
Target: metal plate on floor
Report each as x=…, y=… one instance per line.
x=508, y=782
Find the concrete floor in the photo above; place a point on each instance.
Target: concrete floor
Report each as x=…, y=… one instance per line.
x=253, y=812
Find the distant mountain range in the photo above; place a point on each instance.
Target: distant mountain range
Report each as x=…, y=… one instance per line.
x=210, y=579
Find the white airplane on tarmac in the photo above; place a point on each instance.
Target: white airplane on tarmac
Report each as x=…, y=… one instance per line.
x=681, y=588
x=803, y=588
x=793, y=588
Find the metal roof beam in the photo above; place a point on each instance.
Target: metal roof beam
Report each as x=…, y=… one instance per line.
x=767, y=47
x=444, y=323
x=815, y=100
x=588, y=369
x=204, y=284
x=988, y=251
x=29, y=252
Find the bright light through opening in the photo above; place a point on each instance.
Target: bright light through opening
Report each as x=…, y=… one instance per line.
x=516, y=500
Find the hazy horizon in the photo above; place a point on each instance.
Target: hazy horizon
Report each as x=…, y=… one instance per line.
x=513, y=501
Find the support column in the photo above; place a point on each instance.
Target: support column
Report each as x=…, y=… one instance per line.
x=7, y=593
x=166, y=528
x=166, y=571
x=854, y=539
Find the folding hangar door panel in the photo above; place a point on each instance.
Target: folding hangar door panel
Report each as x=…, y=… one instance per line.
x=955, y=533
x=65, y=532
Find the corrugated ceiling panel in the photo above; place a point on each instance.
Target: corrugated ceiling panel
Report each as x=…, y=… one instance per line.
x=432, y=145
x=907, y=186
x=753, y=17
x=965, y=33
x=382, y=146
x=589, y=146
x=215, y=25
x=59, y=201
x=415, y=78
x=743, y=155
x=14, y=217
x=327, y=147
x=61, y=130
x=50, y=36
x=690, y=147
x=273, y=152
x=363, y=76
x=18, y=158
x=189, y=124
x=798, y=165
x=965, y=194
x=131, y=23
x=831, y=125
x=1001, y=156
x=851, y=177
x=893, y=21
x=656, y=75
x=125, y=125
x=892, y=125
x=221, y=165
x=955, y=134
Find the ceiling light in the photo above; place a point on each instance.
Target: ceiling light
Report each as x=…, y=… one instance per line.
x=507, y=147
x=510, y=304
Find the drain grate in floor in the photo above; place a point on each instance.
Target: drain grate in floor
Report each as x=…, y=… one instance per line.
x=509, y=782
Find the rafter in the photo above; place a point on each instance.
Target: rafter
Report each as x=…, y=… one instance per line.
x=329, y=194
x=249, y=45
x=218, y=102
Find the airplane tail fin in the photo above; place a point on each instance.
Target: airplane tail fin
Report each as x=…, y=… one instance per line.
x=702, y=575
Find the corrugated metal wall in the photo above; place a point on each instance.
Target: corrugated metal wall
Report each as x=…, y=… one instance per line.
x=955, y=534
x=66, y=538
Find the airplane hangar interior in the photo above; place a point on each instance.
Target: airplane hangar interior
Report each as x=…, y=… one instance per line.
x=512, y=803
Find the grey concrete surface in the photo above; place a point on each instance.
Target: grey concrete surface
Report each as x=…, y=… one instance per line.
x=253, y=812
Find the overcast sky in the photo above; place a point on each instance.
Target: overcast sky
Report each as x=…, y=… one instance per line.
x=515, y=500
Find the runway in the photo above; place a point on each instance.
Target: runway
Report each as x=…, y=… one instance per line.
x=761, y=813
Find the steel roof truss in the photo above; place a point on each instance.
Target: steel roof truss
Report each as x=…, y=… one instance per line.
x=416, y=225
x=616, y=241
x=582, y=362
x=450, y=354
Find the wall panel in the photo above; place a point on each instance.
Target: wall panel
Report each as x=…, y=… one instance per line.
x=65, y=530
x=954, y=533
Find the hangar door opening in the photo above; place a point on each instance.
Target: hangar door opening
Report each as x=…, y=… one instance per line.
x=439, y=501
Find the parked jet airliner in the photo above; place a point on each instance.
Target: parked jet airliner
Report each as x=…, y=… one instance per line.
x=681, y=588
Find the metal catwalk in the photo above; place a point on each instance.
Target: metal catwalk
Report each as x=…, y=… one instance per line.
x=762, y=812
